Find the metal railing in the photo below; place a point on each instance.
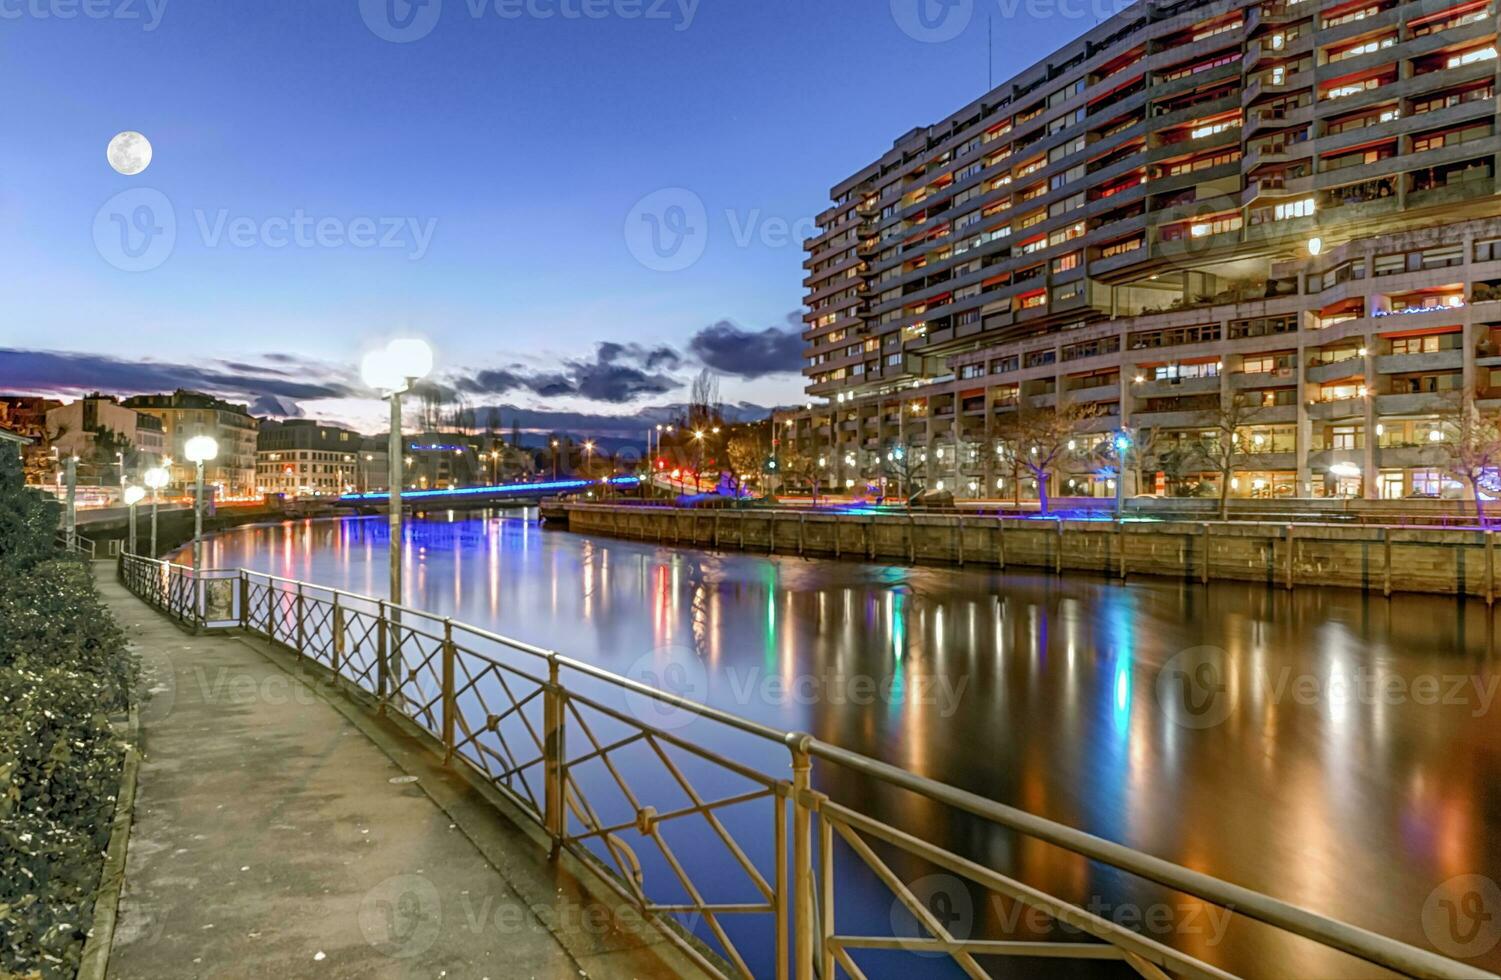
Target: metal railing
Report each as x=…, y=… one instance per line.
x=581, y=751
x=76, y=545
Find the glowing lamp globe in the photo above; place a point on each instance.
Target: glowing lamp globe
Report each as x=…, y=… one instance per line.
x=134, y=495
x=156, y=477
x=201, y=449
x=395, y=366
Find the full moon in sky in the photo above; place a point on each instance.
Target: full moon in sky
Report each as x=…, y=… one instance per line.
x=129, y=153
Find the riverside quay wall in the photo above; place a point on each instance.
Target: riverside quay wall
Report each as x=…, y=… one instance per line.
x=1382, y=559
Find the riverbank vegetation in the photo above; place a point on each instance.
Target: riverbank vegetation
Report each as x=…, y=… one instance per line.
x=64, y=669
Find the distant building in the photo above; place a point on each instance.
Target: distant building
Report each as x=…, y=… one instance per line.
x=26, y=415
x=97, y=427
x=185, y=414
x=301, y=458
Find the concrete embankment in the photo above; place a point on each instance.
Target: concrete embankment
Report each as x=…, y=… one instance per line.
x=1374, y=558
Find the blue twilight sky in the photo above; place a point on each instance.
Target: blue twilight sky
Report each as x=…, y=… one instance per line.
x=488, y=180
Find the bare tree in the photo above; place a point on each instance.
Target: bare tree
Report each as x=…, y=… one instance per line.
x=1472, y=450
x=1038, y=438
x=1227, y=451
x=906, y=468
x=705, y=410
x=800, y=466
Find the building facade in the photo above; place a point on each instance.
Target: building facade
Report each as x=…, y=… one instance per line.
x=97, y=427
x=26, y=415
x=185, y=414
x=302, y=458
x=1280, y=212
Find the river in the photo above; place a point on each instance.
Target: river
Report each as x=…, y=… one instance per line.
x=1351, y=765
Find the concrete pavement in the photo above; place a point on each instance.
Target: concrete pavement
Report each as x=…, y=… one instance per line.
x=281, y=830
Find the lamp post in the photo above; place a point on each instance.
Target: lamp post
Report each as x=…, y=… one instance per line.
x=394, y=370
x=133, y=496
x=1122, y=447
x=71, y=515
x=199, y=450
x=588, y=457
x=555, y=461
x=698, y=467
x=155, y=478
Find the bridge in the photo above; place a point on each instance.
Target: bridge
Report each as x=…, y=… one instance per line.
x=510, y=494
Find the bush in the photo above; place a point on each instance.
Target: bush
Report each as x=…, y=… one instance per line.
x=63, y=669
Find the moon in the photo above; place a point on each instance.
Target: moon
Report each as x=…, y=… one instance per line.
x=129, y=153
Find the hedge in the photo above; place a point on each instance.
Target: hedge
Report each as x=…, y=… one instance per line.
x=64, y=669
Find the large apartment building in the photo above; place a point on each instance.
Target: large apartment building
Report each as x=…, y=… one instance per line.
x=1285, y=206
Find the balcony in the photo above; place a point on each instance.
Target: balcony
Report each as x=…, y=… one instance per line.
x=1350, y=367
x=1407, y=456
x=1175, y=420
x=1443, y=360
x=1099, y=393
x=1179, y=386
x=1341, y=408
x=1282, y=377
x=1324, y=458
x=1416, y=403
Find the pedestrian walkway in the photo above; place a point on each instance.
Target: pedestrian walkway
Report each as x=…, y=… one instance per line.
x=283, y=831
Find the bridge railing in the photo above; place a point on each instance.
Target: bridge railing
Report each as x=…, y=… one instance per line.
x=741, y=867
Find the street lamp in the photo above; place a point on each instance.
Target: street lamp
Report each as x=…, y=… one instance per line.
x=155, y=478
x=394, y=370
x=1122, y=447
x=698, y=469
x=199, y=450
x=588, y=457
x=133, y=496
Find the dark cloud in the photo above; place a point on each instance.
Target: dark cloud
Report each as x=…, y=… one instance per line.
x=751, y=354
x=619, y=373
x=276, y=390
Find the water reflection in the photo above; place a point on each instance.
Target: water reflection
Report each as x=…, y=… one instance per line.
x=1339, y=781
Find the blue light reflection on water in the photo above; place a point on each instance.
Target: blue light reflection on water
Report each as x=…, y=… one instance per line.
x=1055, y=709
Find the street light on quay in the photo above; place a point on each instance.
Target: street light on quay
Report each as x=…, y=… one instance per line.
x=155, y=478
x=394, y=370
x=133, y=496
x=199, y=450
